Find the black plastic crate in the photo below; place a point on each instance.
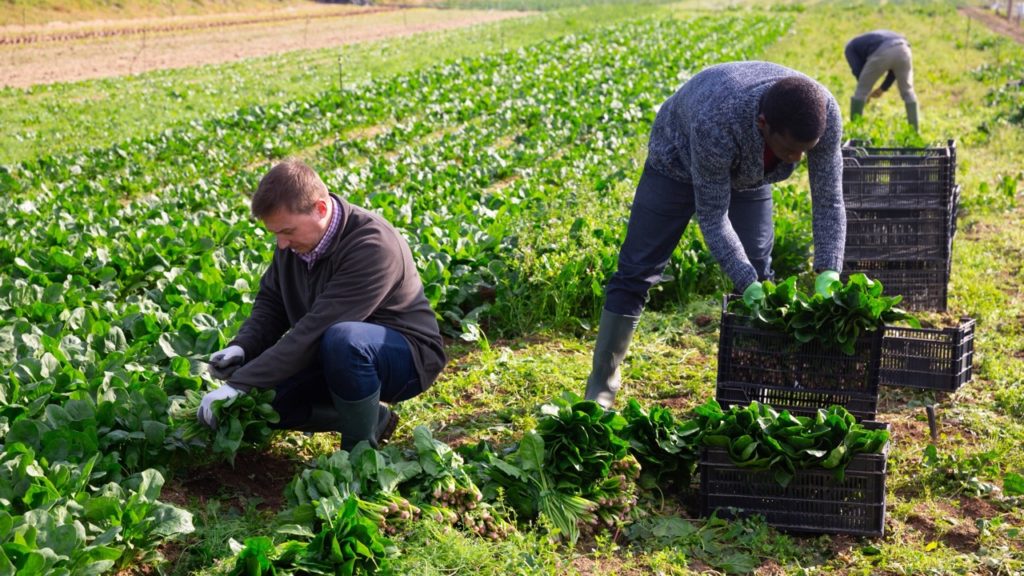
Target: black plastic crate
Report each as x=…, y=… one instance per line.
x=927, y=357
x=924, y=284
x=814, y=501
x=774, y=368
x=954, y=209
x=888, y=178
x=898, y=234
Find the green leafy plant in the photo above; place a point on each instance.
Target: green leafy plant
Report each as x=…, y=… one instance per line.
x=242, y=418
x=962, y=475
x=131, y=517
x=346, y=544
x=582, y=440
x=759, y=438
x=666, y=448
x=255, y=558
x=836, y=319
x=731, y=546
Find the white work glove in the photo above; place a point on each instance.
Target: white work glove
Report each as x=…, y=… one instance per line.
x=224, y=363
x=205, y=412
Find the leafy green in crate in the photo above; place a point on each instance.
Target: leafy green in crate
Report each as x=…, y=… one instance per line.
x=836, y=315
x=759, y=438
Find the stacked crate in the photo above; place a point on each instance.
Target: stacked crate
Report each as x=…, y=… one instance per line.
x=901, y=210
x=775, y=369
x=901, y=207
x=814, y=501
x=929, y=358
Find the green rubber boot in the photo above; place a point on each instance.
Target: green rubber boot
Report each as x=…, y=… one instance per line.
x=613, y=337
x=365, y=419
x=912, y=114
x=856, y=108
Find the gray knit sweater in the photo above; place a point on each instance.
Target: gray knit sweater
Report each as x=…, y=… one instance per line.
x=706, y=134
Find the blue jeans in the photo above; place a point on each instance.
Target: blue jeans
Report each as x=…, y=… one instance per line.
x=662, y=208
x=356, y=360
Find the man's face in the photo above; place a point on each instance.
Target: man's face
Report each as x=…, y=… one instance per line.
x=784, y=147
x=297, y=231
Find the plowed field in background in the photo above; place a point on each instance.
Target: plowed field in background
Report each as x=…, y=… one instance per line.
x=68, y=52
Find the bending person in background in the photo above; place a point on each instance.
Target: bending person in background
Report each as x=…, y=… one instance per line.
x=876, y=53
x=715, y=148
x=340, y=322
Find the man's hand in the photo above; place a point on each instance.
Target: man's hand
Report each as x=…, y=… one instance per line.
x=875, y=94
x=205, y=412
x=224, y=363
x=826, y=282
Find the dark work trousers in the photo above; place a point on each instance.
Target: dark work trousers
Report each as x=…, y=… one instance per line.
x=661, y=209
x=356, y=359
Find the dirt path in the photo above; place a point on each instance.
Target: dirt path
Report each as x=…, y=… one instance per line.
x=995, y=22
x=132, y=47
x=62, y=32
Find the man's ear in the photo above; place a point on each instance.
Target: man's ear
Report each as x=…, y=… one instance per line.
x=321, y=208
x=762, y=124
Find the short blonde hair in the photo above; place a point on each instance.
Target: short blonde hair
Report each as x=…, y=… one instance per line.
x=291, y=185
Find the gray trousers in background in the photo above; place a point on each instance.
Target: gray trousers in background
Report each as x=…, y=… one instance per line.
x=893, y=55
x=661, y=210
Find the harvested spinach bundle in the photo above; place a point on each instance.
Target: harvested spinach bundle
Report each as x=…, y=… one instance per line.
x=242, y=418
x=666, y=447
x=759, y=438
x=837, y=318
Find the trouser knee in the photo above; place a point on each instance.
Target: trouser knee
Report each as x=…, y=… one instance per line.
x=348, y=363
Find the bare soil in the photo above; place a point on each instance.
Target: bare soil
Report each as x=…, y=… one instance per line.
x=259, y=477
x=52, y=53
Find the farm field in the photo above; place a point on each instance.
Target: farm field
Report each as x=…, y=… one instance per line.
x=45, y=56
x=507, y=154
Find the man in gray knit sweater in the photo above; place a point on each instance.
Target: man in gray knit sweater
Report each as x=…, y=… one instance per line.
x=716, y=146
x=340, y=322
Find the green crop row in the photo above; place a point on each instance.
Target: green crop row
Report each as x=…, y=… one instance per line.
x=121, y=266
x=521, y=146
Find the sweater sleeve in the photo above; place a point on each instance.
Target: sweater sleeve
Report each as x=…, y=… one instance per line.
x=356, y=289
x=267, y=321
x=711, y=155
x=855, y=57
x=825, y=172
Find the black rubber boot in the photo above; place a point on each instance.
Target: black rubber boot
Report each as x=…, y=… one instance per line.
x=387, y=421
